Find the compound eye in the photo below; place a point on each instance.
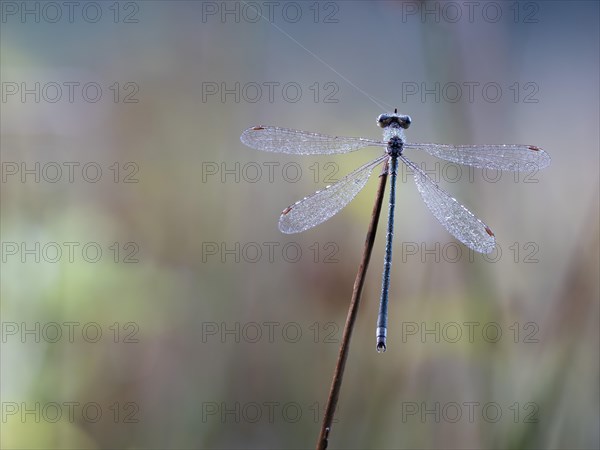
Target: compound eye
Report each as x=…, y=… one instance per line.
x=383, y=120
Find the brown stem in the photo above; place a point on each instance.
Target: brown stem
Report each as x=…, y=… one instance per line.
x=338, y=374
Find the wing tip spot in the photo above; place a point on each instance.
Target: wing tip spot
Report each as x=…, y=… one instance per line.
x=534, y=148
x=257, y=128
x=488, y=231
x=286, y=210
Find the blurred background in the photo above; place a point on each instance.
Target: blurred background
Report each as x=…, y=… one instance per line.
x=148, y=298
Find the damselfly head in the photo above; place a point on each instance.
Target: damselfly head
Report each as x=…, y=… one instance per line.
x=394, y=120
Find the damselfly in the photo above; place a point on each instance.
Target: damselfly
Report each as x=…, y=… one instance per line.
x=322, y=205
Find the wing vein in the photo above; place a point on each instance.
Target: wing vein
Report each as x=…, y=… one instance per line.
x=512, y=157
x=297, y=142
x=324, y=204
x=456, y=218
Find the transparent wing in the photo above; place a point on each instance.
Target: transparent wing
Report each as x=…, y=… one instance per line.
x=296, y=142
x=517, y=158
x=322, y=205
x=458, y=220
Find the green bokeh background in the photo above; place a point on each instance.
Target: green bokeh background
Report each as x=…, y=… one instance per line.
x=178, y=381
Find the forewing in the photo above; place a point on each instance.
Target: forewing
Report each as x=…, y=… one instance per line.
x=296, y=142
x=512, y=157
x=322, y=205
x=458, y=220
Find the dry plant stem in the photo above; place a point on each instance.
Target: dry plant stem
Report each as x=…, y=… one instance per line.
x=338, y=374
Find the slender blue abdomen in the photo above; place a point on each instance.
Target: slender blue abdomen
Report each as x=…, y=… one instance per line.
x=387, y=262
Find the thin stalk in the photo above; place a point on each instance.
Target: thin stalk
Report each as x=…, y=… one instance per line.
x=359, y=282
